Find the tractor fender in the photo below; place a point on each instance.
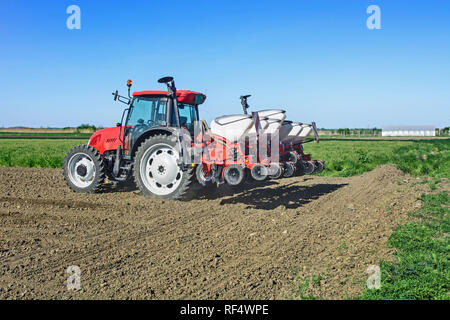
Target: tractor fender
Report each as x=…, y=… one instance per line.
x=149, y=133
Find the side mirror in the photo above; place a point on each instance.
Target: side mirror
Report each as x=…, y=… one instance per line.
x=118, y=124
x=115, y=94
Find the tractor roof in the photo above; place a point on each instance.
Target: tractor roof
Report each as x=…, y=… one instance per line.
x=184, y=96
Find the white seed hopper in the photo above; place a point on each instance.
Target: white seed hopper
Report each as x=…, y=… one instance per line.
x=289, y=130
x=274, y=114
x=232, y=127
x=275, y=118
x=264, y=123
x=306, y=130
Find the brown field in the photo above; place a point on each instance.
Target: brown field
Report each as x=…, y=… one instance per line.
x=258, y=243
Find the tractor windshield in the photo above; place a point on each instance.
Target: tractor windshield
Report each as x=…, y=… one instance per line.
x=188, y=114
x=147, y=112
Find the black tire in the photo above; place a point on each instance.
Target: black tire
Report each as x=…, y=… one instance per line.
x=97, y=160
x=292, y=157
x=308, y=167
x=234, y=175
x=277, y=171
x=318, y=166
x=289, y=169
x=187, y=176
x=200, y=176
x=259, y=172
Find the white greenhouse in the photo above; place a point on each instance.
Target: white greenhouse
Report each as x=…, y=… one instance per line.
x=408, y=131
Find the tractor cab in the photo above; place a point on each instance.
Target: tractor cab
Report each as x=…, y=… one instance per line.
x=148, y=115
x=149, y=109
x=152, y=111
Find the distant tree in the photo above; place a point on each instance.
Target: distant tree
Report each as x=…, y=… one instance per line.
x=86, y=127
x=445, y=131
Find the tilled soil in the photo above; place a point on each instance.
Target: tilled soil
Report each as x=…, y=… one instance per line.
x=283, y=239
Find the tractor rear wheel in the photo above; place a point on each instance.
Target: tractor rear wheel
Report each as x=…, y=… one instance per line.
x=83, y=169
x=157, y=170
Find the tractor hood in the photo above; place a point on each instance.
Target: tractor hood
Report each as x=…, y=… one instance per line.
x=183, y=96
x=106, y=139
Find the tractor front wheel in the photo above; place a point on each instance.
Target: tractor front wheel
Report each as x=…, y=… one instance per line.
x=157, y=170
x=83, y=169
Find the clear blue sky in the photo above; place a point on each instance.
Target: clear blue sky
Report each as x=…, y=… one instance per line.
x=316, y=59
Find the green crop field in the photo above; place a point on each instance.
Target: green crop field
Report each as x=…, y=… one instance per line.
x=423, y=268
x=38, y=153
x=44, y=135
x=343, y=158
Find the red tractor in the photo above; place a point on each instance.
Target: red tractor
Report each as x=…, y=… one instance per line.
x=162, y=145
x=144, y=146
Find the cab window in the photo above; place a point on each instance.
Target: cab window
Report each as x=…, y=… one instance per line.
x=147, y=111
x=188, y=115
